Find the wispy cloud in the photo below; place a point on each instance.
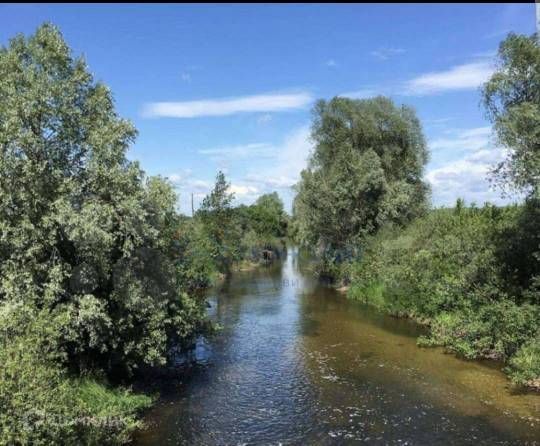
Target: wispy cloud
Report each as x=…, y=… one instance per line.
x=240, y=190
x=331, y=63
x=179, y=178
x=386, y=53
x=363, y=93
x=499, y=33
x=471, y=154
x=263, y=119
x=186, y=77
x=437, y=122
x=462, y=140
x=222, y=107
x=466, y=177
x=488, y=54
x=240, y=151
x=459, y=77
x=185, y=180
x=291, y=158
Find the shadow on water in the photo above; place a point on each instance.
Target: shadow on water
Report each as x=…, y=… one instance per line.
x=297, y=363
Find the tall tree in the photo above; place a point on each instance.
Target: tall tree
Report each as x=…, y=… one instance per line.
x=217, y=216
x=512, y=100
x=365, y=171
x=82, y=233
x=268, y=217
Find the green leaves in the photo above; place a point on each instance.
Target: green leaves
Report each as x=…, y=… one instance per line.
x=365, y=172
x=84, y=233
x=470, y=273
x=91, y=277
x=512, y=101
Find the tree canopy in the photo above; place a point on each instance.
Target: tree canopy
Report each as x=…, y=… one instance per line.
x=365, y=171
x=512, y=100
x=83, y=231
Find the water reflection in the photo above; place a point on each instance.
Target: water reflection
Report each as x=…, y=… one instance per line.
x=296, y=363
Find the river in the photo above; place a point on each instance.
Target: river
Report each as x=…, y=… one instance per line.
x=296, y=363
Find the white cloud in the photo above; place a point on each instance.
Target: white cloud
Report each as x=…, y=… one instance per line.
x=200, y=186
x=222, y=107
x=331, y=63
x=459, y=140
x=263, y=119
x=238, y=152
x=361, y=94
x=436, y=122
x=460, y=77
x=187, y=185
x=488, y=54
x=287, y=160
x=386, y=53
x=176, y=178
x=184, y=180
x=500, y=33
x=180, y=177
x=291, y=158
x=468, y=176
x=240, y=190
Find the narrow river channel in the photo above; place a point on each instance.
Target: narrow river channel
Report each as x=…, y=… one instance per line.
x=296, y=363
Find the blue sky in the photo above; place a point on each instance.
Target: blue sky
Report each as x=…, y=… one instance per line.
x=231, y=86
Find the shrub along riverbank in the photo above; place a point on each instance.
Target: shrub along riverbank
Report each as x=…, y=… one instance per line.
x=467, y=272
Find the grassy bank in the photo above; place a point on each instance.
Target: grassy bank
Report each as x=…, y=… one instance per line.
x=470, y=273
x=45, y=403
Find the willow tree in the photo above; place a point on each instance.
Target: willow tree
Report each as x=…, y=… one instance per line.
x=512, y=100
x=365, y=171
x=84, y=236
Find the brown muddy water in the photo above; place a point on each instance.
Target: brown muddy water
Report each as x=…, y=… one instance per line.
x=298, y=364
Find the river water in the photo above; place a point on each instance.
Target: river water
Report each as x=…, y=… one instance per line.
x=296, y=363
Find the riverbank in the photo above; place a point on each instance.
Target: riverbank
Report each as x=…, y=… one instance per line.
x=449, y=271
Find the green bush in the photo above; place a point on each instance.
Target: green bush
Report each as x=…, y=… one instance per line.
x=43, y=404
x=495, y=331
x=471, y=274
x=524, y=367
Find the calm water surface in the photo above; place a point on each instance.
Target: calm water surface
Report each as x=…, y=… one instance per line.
x=298, y=364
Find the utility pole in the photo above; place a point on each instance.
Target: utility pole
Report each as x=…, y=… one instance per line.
x=192, y=213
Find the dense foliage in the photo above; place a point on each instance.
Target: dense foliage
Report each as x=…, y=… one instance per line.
x=99, y=273
x=472, y=274
x=235, y=235
x=89, y=280
x=365, y=171
x=512, y=100
x=264, y=226
x=42, y=404
x=448, y=270
x=217, y=216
